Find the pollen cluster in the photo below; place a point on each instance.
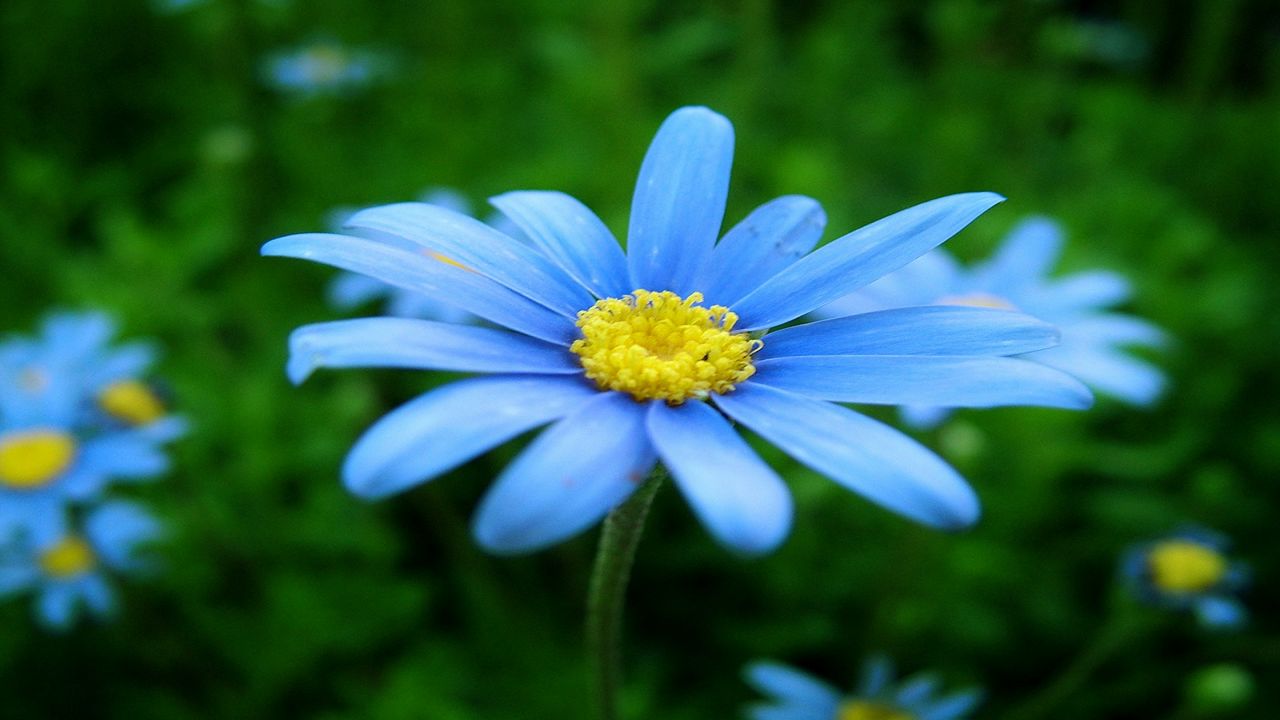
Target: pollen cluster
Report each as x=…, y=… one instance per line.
x=864, y=710
x=33, y=458
x=1183, y=566
x=68, y=557
x=656, y=345
x=977, y=299
x=132, y=402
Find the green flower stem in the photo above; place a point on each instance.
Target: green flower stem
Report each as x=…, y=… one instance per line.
x=607, y=593
x=1122, y=629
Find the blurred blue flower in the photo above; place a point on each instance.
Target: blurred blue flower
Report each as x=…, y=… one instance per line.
x=351, y=290
x=1188, y=570
x=66, y=569
x=324, y=67
x=794, y=695
x=630, y=361
x=1016, y=278
x=74, y=416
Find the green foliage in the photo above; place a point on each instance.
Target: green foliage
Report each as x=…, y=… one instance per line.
x=143, y=162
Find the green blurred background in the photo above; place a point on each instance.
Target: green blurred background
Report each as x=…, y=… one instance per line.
x=143, y=160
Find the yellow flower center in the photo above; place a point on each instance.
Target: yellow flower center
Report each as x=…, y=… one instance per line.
x=33, y=458
x=1184, y=566
x=131, y=401
x=977, y=299
x=865, y=710
x=656, y=345
x=68, y=557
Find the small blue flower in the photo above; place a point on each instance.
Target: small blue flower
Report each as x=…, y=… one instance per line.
x=1016, y=278
x=651, y=354
x=794, y=695
x=351, y=290
x=66, y=569
x=74, y=417
x=324, y=67
x=1188, y=570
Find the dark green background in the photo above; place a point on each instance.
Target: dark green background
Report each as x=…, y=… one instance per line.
x=143, y=162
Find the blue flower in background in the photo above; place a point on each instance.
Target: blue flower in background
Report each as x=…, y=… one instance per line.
x=1188, y=570
x=794, y=695
x=351, y=290
x=74, y=417
x=324, y=67
x=68, y=569
x=651, y=354
x=1093, y=340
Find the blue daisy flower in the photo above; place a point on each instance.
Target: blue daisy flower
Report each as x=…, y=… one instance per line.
x=794, y=695
x=1093, y=341
x=67, y=569
x=324, y=67
x=74, y=417
x=351, y=290
x=652, y=354
x=1188, y=570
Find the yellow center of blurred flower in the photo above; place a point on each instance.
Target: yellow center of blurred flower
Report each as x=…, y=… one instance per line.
x=1184, y=566
x=33, y=458
x=325, y=63
x=655, y=345
x=977, y=299
x=68, y=557
x=131, y=401
x=864, y=710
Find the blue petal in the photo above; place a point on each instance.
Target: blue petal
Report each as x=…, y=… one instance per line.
x=1082, y=292
x=954, y=381
x=17, y=578
x=1114, y=329
x=452, y=424
x=128, y=361
x=1026, y=255
x=123, y=454
x=679, y=200
x=930, y=330
x=1110, y=372
x=922, y=281
x=56, y=606
x=740, y=499
x=97, y=595
x=117, y=528
x=568, y=478
x=861, y=454
x=877, y=673
x=349, y=290
x=916, y=690
x=421, y=344
x=467, y=290
x=923, y=417
x=789, y=685
x=479, y=247
x=1216, y=611
x=953, y=707
x=571, y=235
x=850, y=262
x=771, y=238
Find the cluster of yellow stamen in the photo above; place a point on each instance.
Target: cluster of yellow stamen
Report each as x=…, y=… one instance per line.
x=866, y=710
x=977, y=299
x=67, y=558
x=655, y=345
x=30, y=459
x=131, y=401
x=1185, y=566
